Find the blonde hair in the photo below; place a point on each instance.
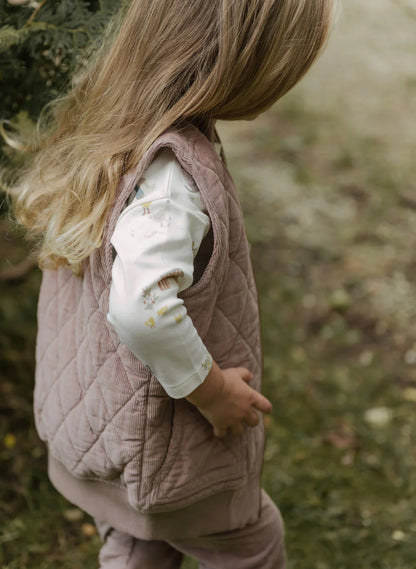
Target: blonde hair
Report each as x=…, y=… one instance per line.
x=160, y=63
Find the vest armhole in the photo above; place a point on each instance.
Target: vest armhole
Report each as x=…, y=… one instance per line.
x=203, y=256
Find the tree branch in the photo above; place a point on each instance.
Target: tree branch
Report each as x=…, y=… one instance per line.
x=19, y=271
x=35, y=11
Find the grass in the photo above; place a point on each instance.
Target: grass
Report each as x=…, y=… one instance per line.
x=338, y=320
x=339, y=458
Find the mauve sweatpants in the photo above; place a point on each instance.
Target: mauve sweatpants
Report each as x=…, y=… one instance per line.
x=256, y=546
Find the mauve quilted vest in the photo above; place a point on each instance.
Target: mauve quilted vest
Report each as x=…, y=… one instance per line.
x=101, y=412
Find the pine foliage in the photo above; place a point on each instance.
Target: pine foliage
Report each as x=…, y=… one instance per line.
x=41, y=43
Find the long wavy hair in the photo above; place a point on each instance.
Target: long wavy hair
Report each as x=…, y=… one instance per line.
x=160, y=63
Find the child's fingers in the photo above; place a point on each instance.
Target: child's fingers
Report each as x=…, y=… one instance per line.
x=252, y=419
x=237, y=430
x=245, y=374
x=262, y=404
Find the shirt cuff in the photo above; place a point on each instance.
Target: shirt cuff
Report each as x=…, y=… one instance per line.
x=191, y=383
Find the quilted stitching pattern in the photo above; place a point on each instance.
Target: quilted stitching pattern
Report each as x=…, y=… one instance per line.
x=100, y=411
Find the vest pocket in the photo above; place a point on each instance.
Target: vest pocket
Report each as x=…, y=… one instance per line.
x=196, y=464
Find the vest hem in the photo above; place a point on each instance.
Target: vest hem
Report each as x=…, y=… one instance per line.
x=107, y=502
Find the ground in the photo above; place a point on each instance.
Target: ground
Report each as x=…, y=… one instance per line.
x=326, y=179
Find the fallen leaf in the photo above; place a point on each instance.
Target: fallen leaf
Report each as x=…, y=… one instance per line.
x=410, y=357
x=366, y=358
x=88, y=529
x=9, y=441
x=398, y=535
x=340, y=300
x=378, y=416
x=73, y=514
x=408, y=199
x=410, y=394
x=343, y=438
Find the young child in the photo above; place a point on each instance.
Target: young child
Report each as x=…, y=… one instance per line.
x=148, y=372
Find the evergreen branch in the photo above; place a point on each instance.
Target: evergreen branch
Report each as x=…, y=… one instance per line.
x=35, y=11
x=41, y=44
x=18, y=272
x=9, y=36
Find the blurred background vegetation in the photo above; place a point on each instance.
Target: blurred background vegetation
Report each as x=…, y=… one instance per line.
x=327, y=182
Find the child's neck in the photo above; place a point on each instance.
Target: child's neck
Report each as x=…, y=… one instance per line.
x=207, y=127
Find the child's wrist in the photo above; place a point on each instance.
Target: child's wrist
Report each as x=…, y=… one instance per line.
x=209, y=390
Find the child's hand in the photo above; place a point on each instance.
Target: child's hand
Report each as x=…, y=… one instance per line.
x=227, y=401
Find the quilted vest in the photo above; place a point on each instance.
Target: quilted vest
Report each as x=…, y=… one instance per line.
x=100, y=410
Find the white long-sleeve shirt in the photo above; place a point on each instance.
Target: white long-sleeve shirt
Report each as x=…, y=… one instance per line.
x=156, y=239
